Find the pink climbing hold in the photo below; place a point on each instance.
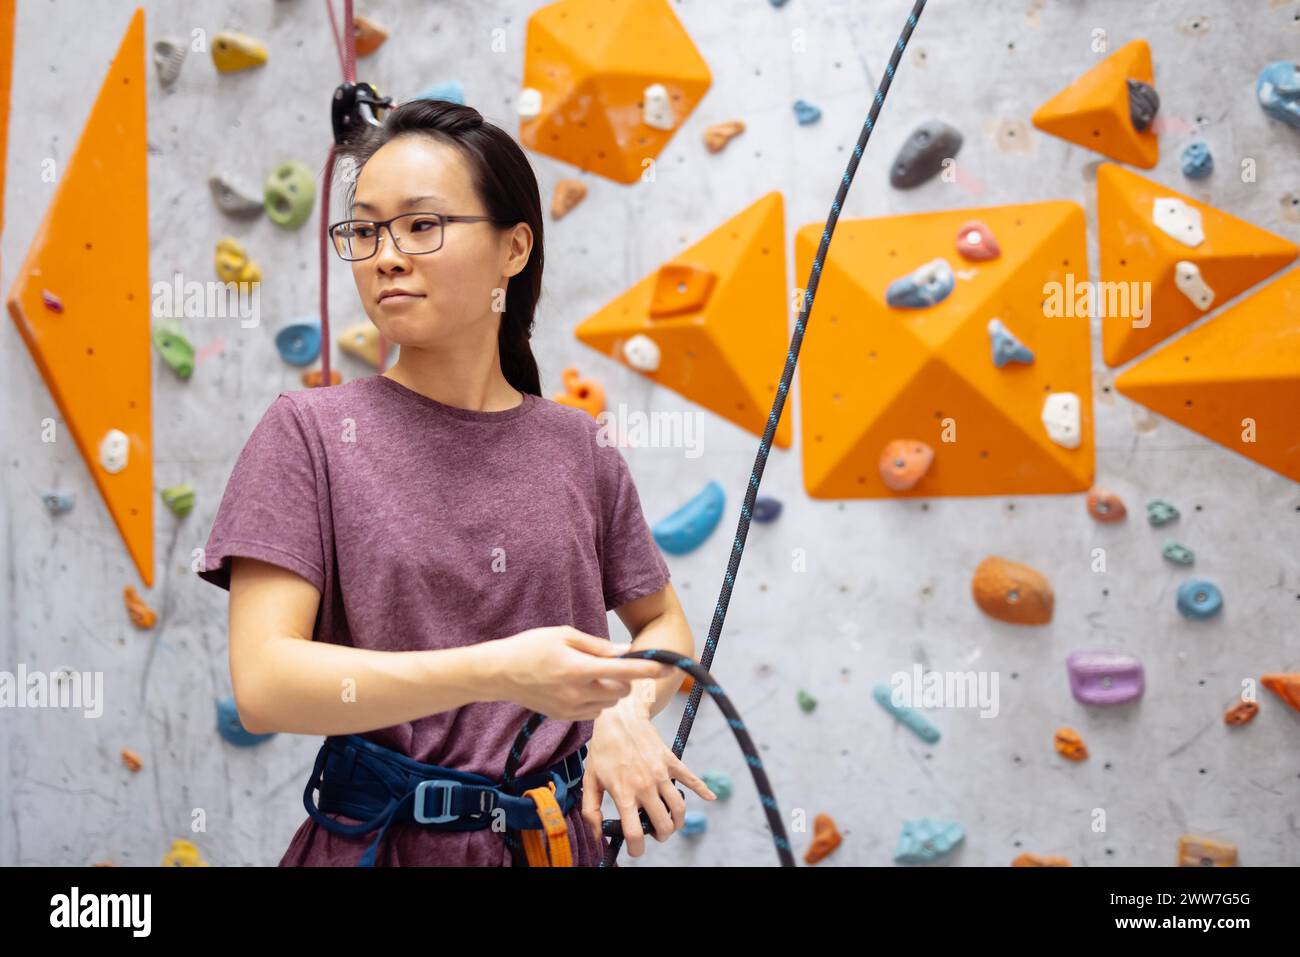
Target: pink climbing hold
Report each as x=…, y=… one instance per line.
x=975, y=242
x=52, y=302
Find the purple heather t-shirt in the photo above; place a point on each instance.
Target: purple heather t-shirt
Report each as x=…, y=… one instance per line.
x=428, y=526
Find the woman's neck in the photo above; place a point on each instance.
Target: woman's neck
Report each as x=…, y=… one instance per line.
x=455, y=383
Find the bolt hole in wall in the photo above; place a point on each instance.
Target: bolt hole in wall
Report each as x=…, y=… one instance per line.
x=1048, y=527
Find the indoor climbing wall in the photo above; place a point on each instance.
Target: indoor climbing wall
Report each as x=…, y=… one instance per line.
x=1042, y=446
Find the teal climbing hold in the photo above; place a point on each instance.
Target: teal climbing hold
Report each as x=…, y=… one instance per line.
x=58, y=502
x=1160, y=512
x=232, y=729
x=1199, y=599
x=806, y=113
x=449, y=90
x=807, y=702
x=1179, y=554
x=686, y=528
x=909, y=718
x=299, y=342
x=925, y=840
x=719, y=783
x=695, y=824
x=1197, y=161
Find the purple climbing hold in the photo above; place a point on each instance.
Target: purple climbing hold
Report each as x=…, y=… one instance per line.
x=766, y=509
x=1104, y=677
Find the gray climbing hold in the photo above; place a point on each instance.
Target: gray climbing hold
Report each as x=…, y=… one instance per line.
x=923, y=153
x=1143, y=103
x=232, y=199
x=1197, y=161
x=923, y=287
x=1278, y=91
x=806, y=113
x=168, y=58
x=1160, y=512
x=58, y=502
x=925, y=840
x=909, y=718
x=1179, y=554
x=1006, y=347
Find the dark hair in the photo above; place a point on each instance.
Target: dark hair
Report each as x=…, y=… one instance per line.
x=504, y=181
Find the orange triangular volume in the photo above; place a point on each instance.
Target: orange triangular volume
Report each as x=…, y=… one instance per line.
x=723, y=343
x=1235, y=379
x=1233, y=257
x=592, y=62
x=1093, y=111
x=92, y=254
x=870, y=373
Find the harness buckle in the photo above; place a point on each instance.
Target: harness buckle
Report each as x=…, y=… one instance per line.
x=446, y=815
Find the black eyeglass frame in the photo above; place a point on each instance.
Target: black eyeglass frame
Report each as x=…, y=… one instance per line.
x=443, y=220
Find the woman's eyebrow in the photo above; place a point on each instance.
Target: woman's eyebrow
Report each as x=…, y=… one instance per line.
x=412, y=201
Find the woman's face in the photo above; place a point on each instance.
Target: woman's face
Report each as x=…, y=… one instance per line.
x=447, y=293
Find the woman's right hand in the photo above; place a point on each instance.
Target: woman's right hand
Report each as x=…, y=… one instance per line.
x=563, y=673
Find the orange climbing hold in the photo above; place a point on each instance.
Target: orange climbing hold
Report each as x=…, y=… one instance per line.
x=370, y=36
x=1040, y=860
x=687, y=684
x=1069, y=745
x=1242, y=712
x=904, y=462
x=717, y=136
x=826, y=838
x=312, y=379
x=1232, y=257
x=93, y=250
x=729, y=356
x=142, y=616
x=1235, y=379
x=870, y=374
x=681, y=289
x=592, y=62
x=1286, y=687
x=585, y=394
x=1012, y=592
x=1105, y=506
x=131, y=760
x=1094, y=111
x=568, y=194
x=1205, y=852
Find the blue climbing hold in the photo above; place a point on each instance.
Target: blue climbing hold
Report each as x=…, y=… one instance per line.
x=230, y=727
x=299, y=343
x=1278, y=90
x=777, y=3
x=925, y=840
x=684, y=529
x=909, y=718
x=923, y=287
x=1006, y=347
x=1197, y=161
x=695, y=824
x=58, y=502
x=450, y=91
x=1199, y=599
x=766, y=509
x=806, y=113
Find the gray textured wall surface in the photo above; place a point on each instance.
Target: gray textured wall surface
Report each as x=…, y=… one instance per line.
x=887, y=583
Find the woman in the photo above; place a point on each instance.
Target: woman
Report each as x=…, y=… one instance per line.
x=422, y=557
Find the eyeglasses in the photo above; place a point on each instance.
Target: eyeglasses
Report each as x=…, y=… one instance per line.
x=415, y=234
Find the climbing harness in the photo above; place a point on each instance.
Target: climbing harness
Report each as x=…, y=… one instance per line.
x=379, y=787
x=703, y=681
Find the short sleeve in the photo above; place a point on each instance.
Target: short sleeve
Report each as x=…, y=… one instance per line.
x=631, y=563
x=270, y=509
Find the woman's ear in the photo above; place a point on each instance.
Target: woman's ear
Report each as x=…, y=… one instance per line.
x=519, y=248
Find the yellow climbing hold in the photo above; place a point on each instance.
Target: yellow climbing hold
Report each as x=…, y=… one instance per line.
x=232, y=52
x=183, y=854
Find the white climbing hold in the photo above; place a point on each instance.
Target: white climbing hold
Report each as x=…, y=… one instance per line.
x=1061, y=416
x=642, y=353
x=1179, y=221
x=168, y=58
x=1188, y=279
x=658, y=108
x=113, y=449
x=530, y=103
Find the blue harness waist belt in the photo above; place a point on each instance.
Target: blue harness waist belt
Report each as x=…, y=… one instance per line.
x=378, y=787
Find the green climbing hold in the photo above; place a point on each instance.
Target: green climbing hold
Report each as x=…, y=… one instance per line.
x=179, y=498
x=175, y=348
x=806, y=701
x=1160, y=512
x=1179, y=554
x=289, y=192
x=719, y=784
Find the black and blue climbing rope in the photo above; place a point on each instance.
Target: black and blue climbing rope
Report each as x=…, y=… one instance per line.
x=613, y=828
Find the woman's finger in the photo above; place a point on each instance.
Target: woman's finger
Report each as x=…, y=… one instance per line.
x=592, y=795
x=674, y=802
x=685, y=775
x=660, y=818
x=633, y=835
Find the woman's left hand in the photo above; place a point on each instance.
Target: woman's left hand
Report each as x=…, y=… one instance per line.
x=627, y=758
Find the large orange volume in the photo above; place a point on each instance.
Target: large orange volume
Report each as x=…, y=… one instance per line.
x=717, y=314
x=91, y=254
x=1235, y=379
x=1093, y=111
x=1233, y=256
x=870, y=374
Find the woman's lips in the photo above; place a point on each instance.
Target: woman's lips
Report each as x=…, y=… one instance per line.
x=399, y=297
